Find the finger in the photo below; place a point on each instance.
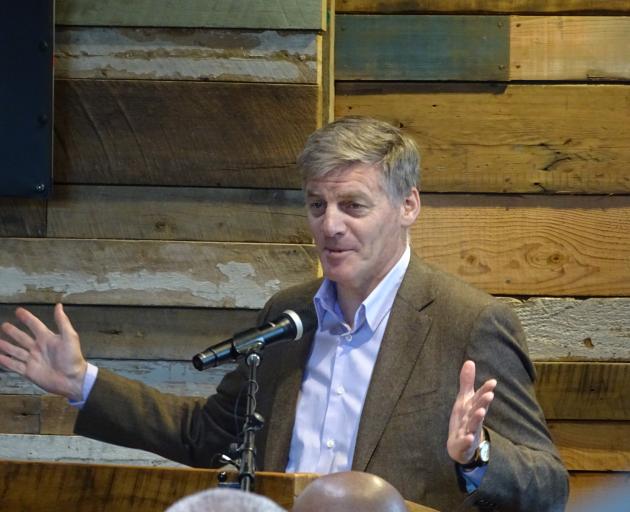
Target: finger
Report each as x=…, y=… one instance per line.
x=13, y=350
x=12, y=365
x=63, y=322
x=35, y=325
x=18, y=335
x=467, y=378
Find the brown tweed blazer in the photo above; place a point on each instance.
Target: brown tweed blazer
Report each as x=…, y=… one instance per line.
x=437, y=322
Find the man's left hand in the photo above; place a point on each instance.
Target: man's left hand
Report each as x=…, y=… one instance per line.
x=465, y=429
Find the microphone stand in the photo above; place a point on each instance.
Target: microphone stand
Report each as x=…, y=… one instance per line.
x=253, y=423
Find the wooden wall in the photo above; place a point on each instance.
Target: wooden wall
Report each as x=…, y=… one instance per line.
x=522, y=113
x=176, y=211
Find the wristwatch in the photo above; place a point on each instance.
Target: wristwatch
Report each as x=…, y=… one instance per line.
x=480, y=458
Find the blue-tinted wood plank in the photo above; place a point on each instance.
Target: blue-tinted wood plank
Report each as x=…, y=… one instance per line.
x=422, y=47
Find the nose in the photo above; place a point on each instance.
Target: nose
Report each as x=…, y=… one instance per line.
x=333, y=223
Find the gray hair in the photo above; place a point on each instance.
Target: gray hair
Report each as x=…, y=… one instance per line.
x=357, y=139
x=225, y=500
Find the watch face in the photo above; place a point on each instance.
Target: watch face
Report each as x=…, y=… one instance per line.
x=484, y=451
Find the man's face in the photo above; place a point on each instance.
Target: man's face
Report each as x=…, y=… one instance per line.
x=359, y=233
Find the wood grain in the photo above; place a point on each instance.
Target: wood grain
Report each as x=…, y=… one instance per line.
x=508, y=139
x=483, y=6
x=145, y=132
x=149, y=272
x=22, y=217
x=186, y=54
x=529, y=245
x=283, y=14
x=584, y=391
x=593, y=48
x=375, y=47
x=145, y=333
x=178, y=213
x=593, y=446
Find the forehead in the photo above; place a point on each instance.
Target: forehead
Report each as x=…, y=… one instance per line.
x=357, y=179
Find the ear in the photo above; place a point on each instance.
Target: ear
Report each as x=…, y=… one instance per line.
x=410, y=208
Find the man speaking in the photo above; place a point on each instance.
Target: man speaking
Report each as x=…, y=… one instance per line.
x=408, y=372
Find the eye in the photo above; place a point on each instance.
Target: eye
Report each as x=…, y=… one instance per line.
x=316, y=206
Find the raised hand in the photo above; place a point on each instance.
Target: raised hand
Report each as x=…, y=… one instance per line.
x=52, y=361
x=465, y=430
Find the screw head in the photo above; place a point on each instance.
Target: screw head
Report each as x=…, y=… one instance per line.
x=40, y=187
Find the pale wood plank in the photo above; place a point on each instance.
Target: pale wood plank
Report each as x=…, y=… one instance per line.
x=68, y=448
x=20, y=414
x=516, y=138
x=176, y=377
x=145, y=132
x=178, y=213
x=149, y=272
x=483, y=6
x=282, y=14
x=605, y=492
x=22, y=217
x=145, y=333
x=569, y=48
x=529, y=245
x=567, y=329
x=193, y=54
x=593, y=446
x=584, y=391
x=454, y=47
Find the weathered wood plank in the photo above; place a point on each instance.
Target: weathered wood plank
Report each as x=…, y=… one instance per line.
x=606, y=492
x=22, y=217
x=176, y=377
x=584, y=391
x=191, y=54
x=569, y=48
x=409, y=47
x=146, y=132
x=68, y=448
x=529, y=245
x=178, y=213
x=149, y=272
x=281, y=14
x=483, y=6
x=155, y=333
x=20, y=414
x=593, y=446
x=572, y=329
x=516, y=138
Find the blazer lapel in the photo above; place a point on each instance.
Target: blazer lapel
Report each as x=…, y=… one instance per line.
x=397, y=356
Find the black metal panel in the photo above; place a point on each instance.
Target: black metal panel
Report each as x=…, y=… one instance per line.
x=26, y=97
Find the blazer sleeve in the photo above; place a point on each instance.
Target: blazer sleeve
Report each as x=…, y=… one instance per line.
x=525, y=471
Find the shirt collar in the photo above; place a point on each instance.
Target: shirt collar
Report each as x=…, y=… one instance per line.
x=374, y=308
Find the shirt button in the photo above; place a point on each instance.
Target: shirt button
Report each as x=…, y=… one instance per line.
x=330, y=443
x=340, y=390
x=347, y=337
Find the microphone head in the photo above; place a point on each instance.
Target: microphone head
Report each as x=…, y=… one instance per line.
x=303, y=322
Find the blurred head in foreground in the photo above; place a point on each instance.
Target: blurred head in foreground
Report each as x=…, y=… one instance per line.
x=350, y=491
x=225, y=500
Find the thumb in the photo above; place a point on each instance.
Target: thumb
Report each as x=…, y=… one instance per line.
x=63, y=322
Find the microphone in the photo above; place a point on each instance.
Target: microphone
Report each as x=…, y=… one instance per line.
x=288, y=326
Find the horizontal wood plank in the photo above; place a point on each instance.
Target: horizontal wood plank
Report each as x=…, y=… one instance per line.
x=145, y=132
x=178, y=213
x=373, y=47
x=593, y=446
x=529, y=245
x=145, y=333
x=282, y=14
x=515, y=138
x=567, y=329
x=23, y=217
x=584, y=391
x=186, y=54
x=176, y=377
x=482, y=6
x=593, y=48
x=150, y=272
